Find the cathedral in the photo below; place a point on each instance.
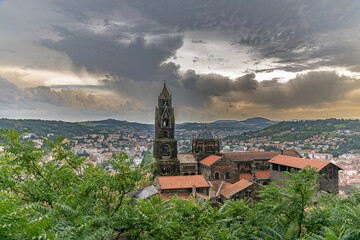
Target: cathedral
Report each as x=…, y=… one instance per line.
x=205, y=172
x=168, y=161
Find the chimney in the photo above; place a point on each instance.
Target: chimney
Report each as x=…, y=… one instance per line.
x=193, y=194
x=212, y=192
x=253, y=171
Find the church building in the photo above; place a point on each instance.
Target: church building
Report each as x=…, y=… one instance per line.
x=204, y=171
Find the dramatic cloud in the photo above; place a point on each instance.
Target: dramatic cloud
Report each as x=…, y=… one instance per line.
x=68, y=104
x=301, y=35
x=221, y=59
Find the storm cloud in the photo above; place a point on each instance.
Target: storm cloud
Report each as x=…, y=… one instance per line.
x=220, y=59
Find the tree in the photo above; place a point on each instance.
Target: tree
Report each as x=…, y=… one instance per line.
x=288, y=204
x=76, y=199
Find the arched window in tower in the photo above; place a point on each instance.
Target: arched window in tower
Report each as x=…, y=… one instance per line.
x=166, y=123
x=227, y=175
x=166, y=134
x=165, y=151
x=217, y=176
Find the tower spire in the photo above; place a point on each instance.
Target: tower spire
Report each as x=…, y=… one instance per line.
x=164, y=93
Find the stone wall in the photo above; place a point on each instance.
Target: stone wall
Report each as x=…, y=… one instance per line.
x=224, y=166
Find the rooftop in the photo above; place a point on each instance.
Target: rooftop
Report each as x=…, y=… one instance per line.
x=246, y=176
x=249, y=156
x=262, y=174
x=208, y=161
x=180, y=182
x=235, y=188
x=205, y=134
x=299, y=163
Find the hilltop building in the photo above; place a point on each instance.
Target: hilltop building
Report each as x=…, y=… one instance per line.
x=165, y=145
x=204, y=172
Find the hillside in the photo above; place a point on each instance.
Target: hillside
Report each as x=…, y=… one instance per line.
x=71, y=129
x=42, y=127
x=341, y=136
x=301, y=130
x=251, y=124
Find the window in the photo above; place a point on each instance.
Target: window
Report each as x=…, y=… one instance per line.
x=165, y=151
x=275, y=167
x=166, y=123
x=166, y=134
x=242, y=170
x=192, y=174
x=257, y=166
x=282, y=168
x=227, y=175
x=217, y=175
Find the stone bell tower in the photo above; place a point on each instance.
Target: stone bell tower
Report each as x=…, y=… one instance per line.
x=165, y=145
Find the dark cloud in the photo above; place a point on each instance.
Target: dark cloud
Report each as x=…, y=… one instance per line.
x=138, y=59
x=313, y=89
x=295, y=32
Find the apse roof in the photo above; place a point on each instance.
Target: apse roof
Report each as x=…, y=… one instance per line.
x=205, y=134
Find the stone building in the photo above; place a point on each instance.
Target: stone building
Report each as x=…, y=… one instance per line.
x=165, y=144
x=188, y=164
x=215, y=168
x=183, y=186
x=234, y=175
x=225, y=190
x=328, y=182
x=205, y=144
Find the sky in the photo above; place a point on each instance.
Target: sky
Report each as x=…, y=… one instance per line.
x=233, y=59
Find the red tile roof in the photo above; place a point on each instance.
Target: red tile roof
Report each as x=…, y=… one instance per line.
x=235, y=188
x=262, y=174
x=179, y=182
x=299, y=163
x=210, y=160
x=249, y=156
x=219, y=185
x=246, y=176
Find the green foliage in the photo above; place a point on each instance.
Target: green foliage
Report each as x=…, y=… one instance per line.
x=66, y=198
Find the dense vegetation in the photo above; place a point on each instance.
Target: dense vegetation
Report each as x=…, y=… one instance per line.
x=67, y=198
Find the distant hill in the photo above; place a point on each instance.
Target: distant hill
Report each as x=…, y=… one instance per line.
x=43, y=127
x=116, y=125
x=302, y=129
x=251, y=124
x=72, y=129
x=225, y=121
x=259, y=121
